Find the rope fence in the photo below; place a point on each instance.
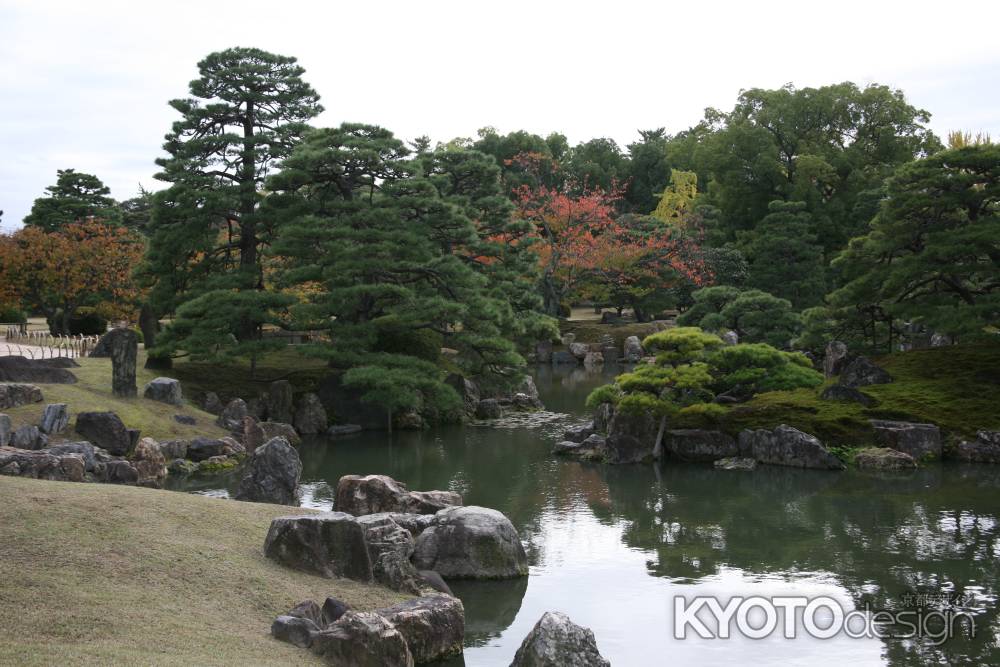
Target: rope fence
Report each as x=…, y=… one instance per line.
x=49, y=346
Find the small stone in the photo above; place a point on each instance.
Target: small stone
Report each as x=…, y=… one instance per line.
x=918, y=440
x=835, y=358
x=633, y=352
x=433, y=626
x=280, y=430
x=212, y=404
x=863, y=372
x=187, y=420
x=331, y=544
x=121, y=472
x=182, y=467
x=730, y=338
x=332, y=610
x=362, y=639
x=29, y=437
x=340, y=430
x=164, y=390
x=883, y=458
x=149, y=462
x=6, y=430
x=201, y=449
x=838, y=392
x=371, y=494
x=14, y=394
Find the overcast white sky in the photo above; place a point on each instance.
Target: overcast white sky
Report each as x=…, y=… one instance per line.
x=84, y=84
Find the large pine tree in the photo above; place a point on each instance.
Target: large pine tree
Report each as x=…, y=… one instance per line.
x=247, y=111
x=75, y=197
x=397, y=257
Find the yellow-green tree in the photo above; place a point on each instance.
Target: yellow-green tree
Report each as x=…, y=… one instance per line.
x=677, y=200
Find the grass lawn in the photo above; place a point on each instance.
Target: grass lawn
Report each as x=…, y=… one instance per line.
x=92, y=392
x=956, y=388
x=96, y=574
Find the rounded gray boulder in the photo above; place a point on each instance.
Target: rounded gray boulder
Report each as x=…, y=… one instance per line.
x=471, y=543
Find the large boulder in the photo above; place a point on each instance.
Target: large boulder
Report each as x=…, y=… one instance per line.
x=212, y=404
x=471, y=543
x=787, y=446
x=164, y=390
x=489, y=408
x=389, y=548
x=85, y=450
x=105, y=430
x=698, y=445
x=47, y=371
x=579, y=433
x=295, y=630
x=835, y=358
x=918, y=440
x=120, y=472
x=602, y=417
x=55, y=419
x=984, y=449
x=6, y=430
x=883, y=458
x=124, y=352
x=28, y=437
x=433, y=626
x=362, y=639
x=150, y=463
x=369, y=494
x=467, y=389
x=556, y=641
x=278, y=403
x=528, y=389
x=41, y=465
x=838, y=392
x=280, y=430
x=272, y=474
x=631, y=437
x=593, y=359
x=862, y=372
x=231, y=417
x=253, y=435
x=330, y=544
x=14, y=394
x=632, y=349
x=579, y=350
x=310, y=415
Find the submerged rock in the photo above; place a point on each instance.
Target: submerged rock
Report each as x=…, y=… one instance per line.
x=735, y=463
x=371, y=494
x=631, y=437
x=698, y=445
x=883, y=458
x=471, y=543
x=787, y=446
x=984, y=449
x=272, y=475
x=331, y=544
x=340, y=430
x=917, y=440
x=578, y=433
x=556, y=641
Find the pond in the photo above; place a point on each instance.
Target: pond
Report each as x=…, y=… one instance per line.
x=613, y=546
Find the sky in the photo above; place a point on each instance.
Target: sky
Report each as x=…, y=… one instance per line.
x=85, y=85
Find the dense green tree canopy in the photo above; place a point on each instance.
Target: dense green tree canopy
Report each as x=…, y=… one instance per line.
x=785, y=259
x=75, y=197
x=755, y=316
x=371, y=238
x=932, y=255
x=247, y=111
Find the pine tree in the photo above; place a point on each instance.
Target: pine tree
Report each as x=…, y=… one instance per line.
x=785, y=259
x=76, y=197
x=247, y=111
x=376, y=242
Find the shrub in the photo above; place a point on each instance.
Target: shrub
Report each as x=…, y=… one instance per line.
x=11, y=314
x=87, y=323
x=394, y=337
x=756, y=316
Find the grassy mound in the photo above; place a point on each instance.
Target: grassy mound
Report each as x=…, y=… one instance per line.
x=92, y=392
x=956, y=388
x=100, y=574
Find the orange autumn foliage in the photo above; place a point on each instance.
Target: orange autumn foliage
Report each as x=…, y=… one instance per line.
x=83, y=263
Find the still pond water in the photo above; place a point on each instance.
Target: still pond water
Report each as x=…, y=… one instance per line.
x=612, y=546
